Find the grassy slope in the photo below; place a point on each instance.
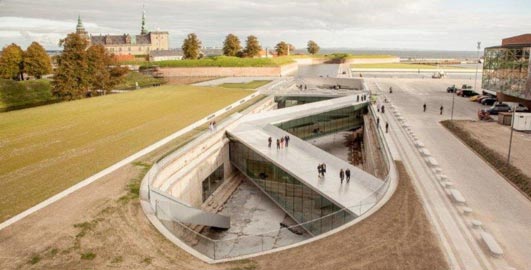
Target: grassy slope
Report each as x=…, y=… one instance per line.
x=225, y=61
x=15, y=94
x=248, y=85
x=47, y=149
x=402, y=66
x=143, y=81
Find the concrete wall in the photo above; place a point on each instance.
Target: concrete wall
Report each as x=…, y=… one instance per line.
x=181, y=173
x=373, y=60
x=229, y=71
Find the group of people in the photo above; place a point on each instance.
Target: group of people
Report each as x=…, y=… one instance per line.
x=363, y=98
x=302, y=87
x=343, y=174
x=441, y=109
x=380, y=107
x=283, y=141
x=212, y=126
x=378, y=124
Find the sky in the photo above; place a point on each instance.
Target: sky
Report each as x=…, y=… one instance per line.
x=356, y=24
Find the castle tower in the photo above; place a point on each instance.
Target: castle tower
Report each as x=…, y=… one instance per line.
x=143, y=30
x=80, y=29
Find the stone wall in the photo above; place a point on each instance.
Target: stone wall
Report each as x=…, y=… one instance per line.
x=229, y=71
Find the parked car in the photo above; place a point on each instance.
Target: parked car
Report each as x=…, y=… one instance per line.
x=438, y=75
x=488, y=101
x=474, y=98
x=480, y=99
x=522, y=108
x=451, y=89
x=467, y=93
x=498, y=108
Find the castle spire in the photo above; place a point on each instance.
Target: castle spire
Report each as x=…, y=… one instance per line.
x=143, y=30
x=80, y=29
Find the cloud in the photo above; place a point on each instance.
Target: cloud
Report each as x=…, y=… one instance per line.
x=416, y=24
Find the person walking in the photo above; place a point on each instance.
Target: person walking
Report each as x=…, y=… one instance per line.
x=324, y=168
x=386, y=127
x=287, y=140
x=347, y=173
x=341, y=175
x=377, y=122
x=269, y=141
x=424, y=107
x=383, y=109
x=319, y=170
x=441, y=109
x=278, y=144
x=390, y=90
x=281, y=142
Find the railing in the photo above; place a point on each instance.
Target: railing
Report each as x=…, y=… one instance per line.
x=251, y=244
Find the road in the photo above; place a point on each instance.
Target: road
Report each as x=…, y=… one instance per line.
x=504, y=211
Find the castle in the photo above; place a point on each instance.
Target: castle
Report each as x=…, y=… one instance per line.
x=127, y=44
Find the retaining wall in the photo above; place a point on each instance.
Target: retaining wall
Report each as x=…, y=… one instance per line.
x=229, y=71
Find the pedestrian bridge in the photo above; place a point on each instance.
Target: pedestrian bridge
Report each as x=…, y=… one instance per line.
x=289, y=175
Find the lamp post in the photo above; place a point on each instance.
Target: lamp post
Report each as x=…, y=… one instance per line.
x=511, y=136
x=453, y=101
x=477, y=66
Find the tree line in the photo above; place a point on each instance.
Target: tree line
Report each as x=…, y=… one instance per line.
x=232, y=47
x=14, y=62
x=81, y=70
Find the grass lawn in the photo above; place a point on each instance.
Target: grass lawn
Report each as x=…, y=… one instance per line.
x=47, y=149
x=248, y=85
x=132, y=77
x=224, y=61
x=402, y=66
x=15, y=95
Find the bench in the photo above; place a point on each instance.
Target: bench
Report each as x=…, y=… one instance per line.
x=476, y=224
x=443, y=177
x=467, y=211
x=423, y=151
x=491, y=244
x=419, y=144
x=457, y=196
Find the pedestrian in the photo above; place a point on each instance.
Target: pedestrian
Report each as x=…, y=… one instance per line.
x=347, y=173
x=383, y=109
x=281, y=142
x=324, y=168
x=386, y=127
x=358, y=99
x=269, y=141
x=287, y=140
x=214, y=125
x=319, y=170
x=341, y=175
x=377, y=122
x=305, y=87
x=442, y=109
x=278, y=144
x=424, y=107
x=390, y=90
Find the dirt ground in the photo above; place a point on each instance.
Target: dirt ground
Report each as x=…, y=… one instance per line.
x=102, y=226
x=496, y=137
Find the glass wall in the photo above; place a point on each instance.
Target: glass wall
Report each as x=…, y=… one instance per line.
x=325, y=123
x=212, y=182
x=506, y=70
x=301, y=202
x=289, y=101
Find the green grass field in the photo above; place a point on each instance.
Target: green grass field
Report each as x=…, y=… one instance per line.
x=14, y=95
x=47, y=149
x=224, y=61
x=248, y=85
x=132, y=77
x=402, y=66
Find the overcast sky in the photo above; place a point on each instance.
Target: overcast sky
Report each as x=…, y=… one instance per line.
x=373, y=24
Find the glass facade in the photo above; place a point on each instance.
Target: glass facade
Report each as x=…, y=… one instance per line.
x=325, y=123
x=298, y=200
x=289, y=101
x=506, y=70
x=212, y=182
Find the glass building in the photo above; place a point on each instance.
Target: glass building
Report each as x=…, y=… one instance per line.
x=506, y=70
x=302, y=203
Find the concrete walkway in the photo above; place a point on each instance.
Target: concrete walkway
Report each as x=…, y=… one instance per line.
x=502, y=210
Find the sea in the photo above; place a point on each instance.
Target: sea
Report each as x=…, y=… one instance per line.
x=405, y=54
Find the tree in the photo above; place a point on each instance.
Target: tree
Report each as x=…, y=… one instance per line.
x=252, y=46
x=313, y=48
x=104, y=74
x=12, y=62
x=36, y=61
x=231, y=45
x=71, y=78
x=191, y=47
x=282, y=48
